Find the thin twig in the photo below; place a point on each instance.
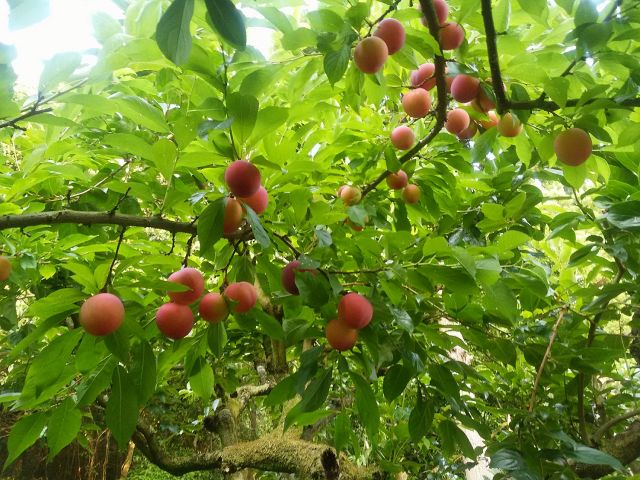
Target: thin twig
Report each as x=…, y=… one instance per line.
x=547, y=353
x=109, y=279
x=441, y=108
x=391, y=8
x=605, y=427
x=288, y=243
x=185, y=261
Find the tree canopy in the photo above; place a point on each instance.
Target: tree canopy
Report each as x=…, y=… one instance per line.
x=500, y=261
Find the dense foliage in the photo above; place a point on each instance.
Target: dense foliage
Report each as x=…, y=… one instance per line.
x=503, y=298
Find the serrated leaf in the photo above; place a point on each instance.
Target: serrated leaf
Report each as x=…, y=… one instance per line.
x=173, y=34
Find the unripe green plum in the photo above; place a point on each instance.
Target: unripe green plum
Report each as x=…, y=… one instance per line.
x=370, y=54
x=243, y=178
x=411, y=193
x=509, y=125
x=464, y=88
x=451, y=36
x=573, y=146
x=340, y=336
x=457, y=120
x=397, y=181
x=392, y=33
x=417, y=103
x=355, y=311
x=174, y=320
x=403, y=138
x=101, y=314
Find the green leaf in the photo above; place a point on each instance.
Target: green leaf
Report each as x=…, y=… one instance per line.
x=244, y=111
x=164, y=157
x=259, y=233
x=444, y=381
x=210, y=225
x=216, y=338
x=130, y=143
x=455, y=436
x=313, y=396
x=268, y=121
x=557, y=89
x=63, y=426
x=625, y=215
x=341, y=431
x=591, y=456
x=366, y=405
x=421, y=418
x=57, y=70
x=228, y=22
x=201, y=379
x=143, y=372
x=140, y=111
x=23, y=13
x=336, y=63
x=395, y=381
x=173, y=34
x=96, y=382
x=509, y=460
x=283, y=391
x=121, y=415
x=512, y=239
x=24, y=433
x=269, y=325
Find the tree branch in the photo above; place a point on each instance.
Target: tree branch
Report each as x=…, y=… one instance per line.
x=30, y=113
x=550, y=106
x=441, y=109
x=605, y=427
x=624, y=446
x=547, y=353
x=502, y=104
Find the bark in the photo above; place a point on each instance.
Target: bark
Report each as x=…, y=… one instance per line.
x=624, y=446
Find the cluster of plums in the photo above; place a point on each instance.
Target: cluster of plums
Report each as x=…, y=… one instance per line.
x=354, y=313
x=243, y=179
x=354, y=310
x=175, y=319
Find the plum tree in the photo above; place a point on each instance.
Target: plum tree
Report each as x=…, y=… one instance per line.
x=457, y=120
x=242, y=178
x=233, y=215
x=509, y=125
x=403, y=138
x=370, y=54
x=464, y=88
x=416, y=103
x=350, y=195
x=573, y=146
x=392, y=32
x=451, y=36
x=174, y=320
x=258, y=201
x=5, y=268
x=398, y=180
x=340, y=336
x=101, y=314
x=189, y=277
x=243, y=294
x=411, y=193
x=355, y=311
x=424, y=77
x=213, y=307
